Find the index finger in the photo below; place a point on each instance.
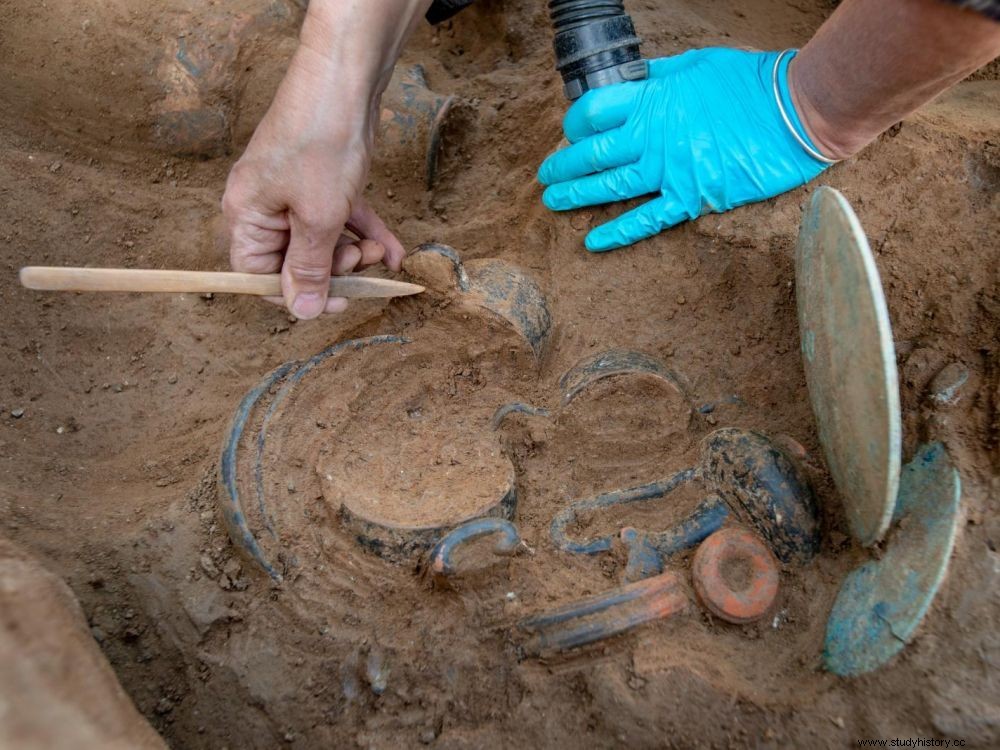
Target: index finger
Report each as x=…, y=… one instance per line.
x=367, y=225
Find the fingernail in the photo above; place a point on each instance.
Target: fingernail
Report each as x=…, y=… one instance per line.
x=307, y=305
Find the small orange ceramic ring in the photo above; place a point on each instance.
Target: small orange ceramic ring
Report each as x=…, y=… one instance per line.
x=735, y=575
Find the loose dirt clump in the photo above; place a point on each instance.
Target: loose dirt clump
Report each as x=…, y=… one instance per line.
x=113, y=409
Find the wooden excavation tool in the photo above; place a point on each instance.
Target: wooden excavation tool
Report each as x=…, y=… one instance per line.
x=50, y=278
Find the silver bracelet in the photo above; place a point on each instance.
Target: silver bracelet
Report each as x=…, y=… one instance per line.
x=788, y=122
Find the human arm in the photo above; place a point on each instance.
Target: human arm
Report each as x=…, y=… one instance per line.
x=299, y=183
x=707, y=133
x=875, y=61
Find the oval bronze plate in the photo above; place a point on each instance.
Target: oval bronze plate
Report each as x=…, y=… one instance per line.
x=849, y=361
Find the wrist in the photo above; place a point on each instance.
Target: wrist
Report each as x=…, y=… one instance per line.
x=835, y=140
x=789, y=112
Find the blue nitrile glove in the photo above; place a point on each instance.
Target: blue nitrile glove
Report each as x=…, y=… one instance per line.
x=704, y=131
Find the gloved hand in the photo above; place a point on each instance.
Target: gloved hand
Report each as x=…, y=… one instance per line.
x=704, y=131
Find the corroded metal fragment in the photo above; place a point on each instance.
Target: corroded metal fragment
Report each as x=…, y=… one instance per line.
x=882, y=603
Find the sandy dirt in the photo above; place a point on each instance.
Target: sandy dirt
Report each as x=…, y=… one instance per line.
x=118, y=125
x=58, y=690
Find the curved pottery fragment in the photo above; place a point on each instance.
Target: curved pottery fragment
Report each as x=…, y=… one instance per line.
x=305, y=446
x=610, y=364
x=500, y=288
x=241, y=465
x=568, y=516
x=602, y=616
x=583, y=387
x=411, y=122
x=441, y=560
x=744, y=472
x=308, y=441
x=882, y=603
x=765, y=488
x=399, y=541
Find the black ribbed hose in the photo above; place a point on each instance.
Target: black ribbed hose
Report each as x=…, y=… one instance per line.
x=595, y=44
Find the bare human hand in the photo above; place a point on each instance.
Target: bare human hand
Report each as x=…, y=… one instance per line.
x=294, y=199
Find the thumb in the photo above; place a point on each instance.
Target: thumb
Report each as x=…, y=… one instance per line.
x=305, y=274
x=662, y=67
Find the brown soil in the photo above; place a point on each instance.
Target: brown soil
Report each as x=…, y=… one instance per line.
x=109, y=473
x=409, y=453
x=736, y=573
x=58, y=689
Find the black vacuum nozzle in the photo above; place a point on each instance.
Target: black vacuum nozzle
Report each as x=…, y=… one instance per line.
x=595, y=45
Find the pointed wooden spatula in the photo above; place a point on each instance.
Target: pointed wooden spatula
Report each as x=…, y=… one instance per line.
x=49, y=278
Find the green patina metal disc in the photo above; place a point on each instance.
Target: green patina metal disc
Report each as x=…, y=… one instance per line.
x=882, y=603
x=850, y=361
